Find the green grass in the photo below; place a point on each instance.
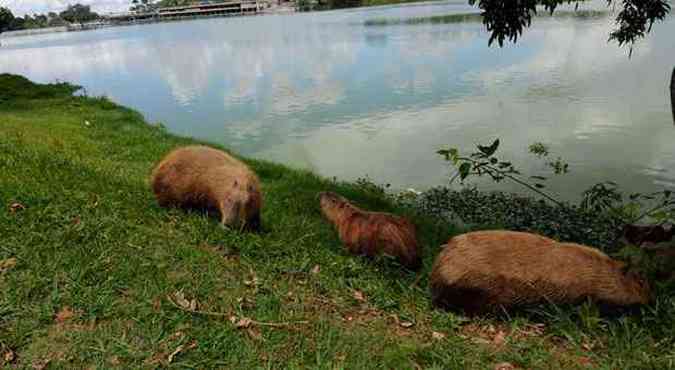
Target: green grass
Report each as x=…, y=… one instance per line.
x=88, y=261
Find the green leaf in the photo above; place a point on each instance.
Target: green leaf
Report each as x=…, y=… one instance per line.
x=464, y=170
x=445, y=153
x=489, y=150
x=454, y=155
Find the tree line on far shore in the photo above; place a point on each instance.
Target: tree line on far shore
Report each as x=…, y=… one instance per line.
x=76, y=13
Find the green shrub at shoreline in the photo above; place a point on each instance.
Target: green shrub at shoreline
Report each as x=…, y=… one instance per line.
x=93, y=274
x=513, y=212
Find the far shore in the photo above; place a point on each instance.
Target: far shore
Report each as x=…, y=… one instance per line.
x=273, y=8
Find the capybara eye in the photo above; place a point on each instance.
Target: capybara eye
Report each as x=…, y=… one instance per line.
x=236, y=183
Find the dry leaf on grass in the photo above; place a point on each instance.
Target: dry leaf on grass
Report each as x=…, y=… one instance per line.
x=406, y=324
x=176, y=335
x=190, y=305
x=438, y=335
x=40, y=364
x=244, y=322
x=358, y=295
x=180, y=349
x=481, y=341
x=64, y=315
x=7, y=264
x=253, y=280
x=504, y=366
x=114, y=361
x=14, y=207
x=499, y=338
x=157, y=304
x=535, y=329
x=249, y=325
x=585, y=361
x=174, y=354
x=9, y=356
x=588, y=346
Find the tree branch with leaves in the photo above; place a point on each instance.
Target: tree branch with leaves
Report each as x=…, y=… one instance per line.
x=657, y=207
x=507, y=19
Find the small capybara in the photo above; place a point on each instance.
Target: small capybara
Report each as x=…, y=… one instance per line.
x=487, y=271
x=372, y=233
x=200, y=177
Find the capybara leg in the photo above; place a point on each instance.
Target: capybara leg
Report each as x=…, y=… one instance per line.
x=254, y=223
x=470, y=301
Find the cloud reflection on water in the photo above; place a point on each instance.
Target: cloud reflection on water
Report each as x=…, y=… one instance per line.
x=324, y=92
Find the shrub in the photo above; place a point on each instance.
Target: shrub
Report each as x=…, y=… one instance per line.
x=479, y=209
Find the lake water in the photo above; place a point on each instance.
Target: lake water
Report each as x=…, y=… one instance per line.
x=324, y=91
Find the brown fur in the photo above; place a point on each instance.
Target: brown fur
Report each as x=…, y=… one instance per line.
x=487, y=270
x=205, y=178
x=371, y=233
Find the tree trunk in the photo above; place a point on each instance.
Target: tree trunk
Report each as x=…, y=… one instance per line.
x=672, y=94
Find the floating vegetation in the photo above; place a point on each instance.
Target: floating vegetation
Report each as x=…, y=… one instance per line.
x=447, y=18
x=476, y=18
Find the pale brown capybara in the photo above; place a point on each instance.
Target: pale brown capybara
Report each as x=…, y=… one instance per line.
x=487, y=271
x=372, y=233
x=200, y=177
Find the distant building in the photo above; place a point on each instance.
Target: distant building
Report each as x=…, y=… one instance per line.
x=202, y=9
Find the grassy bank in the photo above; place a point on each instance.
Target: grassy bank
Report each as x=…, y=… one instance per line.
x=93, y=274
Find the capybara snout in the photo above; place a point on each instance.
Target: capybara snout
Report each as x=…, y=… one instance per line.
x=331, y=204
x=242, y=207
x=203, y=177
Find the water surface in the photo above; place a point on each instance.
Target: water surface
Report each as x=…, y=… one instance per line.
x=326, y=92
